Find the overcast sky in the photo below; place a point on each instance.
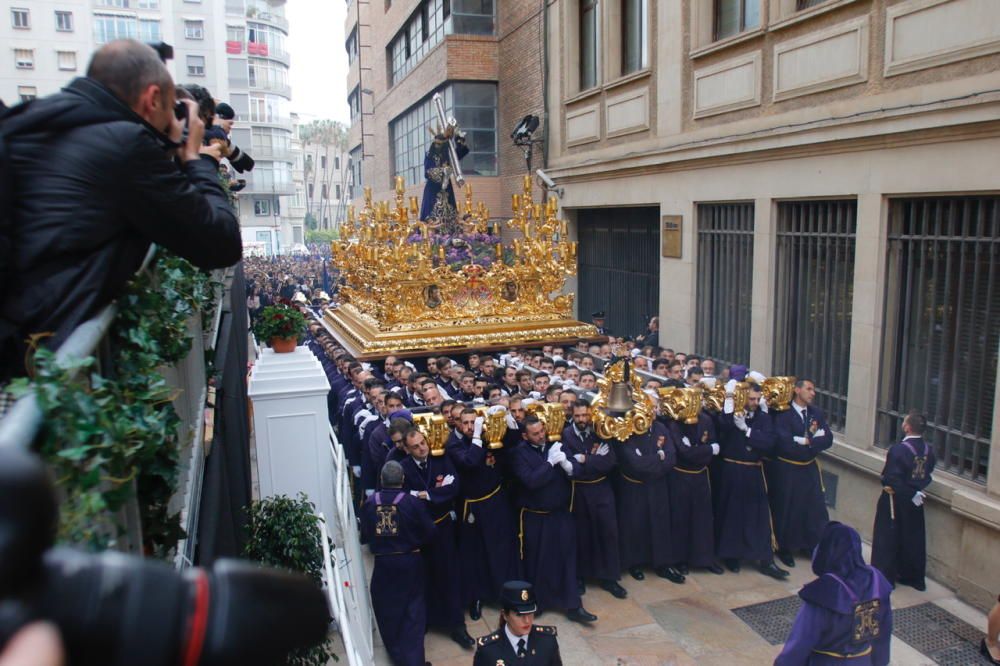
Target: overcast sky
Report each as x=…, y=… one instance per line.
x=319, y=60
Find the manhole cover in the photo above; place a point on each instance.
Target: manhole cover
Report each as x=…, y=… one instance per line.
x=938, y=634
x=772, y=620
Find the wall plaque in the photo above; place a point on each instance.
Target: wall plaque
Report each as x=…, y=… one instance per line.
x=671, y=235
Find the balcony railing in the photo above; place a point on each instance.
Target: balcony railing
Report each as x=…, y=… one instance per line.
x=275, y=87
x=267, y=17
x=272, y=153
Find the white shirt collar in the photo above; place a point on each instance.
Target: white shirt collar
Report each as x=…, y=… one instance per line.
x=799, y=409
x=912, y=437
x=514, y=639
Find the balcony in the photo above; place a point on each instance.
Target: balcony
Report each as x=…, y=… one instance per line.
x=274, y=154
x=264, y=183
x=275, y=87
x=268, y=17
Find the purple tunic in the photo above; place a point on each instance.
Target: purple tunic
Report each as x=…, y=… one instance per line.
x=593, y=507
x=794, y=480
x=899, y=546
x=546, y=529
x=847, y=615
x=395, y=526
x=743, y=518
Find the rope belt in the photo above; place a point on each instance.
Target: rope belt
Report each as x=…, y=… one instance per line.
x=447, y=515
x=630, y=479
x=465, y=506
x=837, y=655
x=690, y=471
x=892, y=500
x=743, y=462
x=814, y=461
x=399, y=552
x=572, y=492
x=520, y=533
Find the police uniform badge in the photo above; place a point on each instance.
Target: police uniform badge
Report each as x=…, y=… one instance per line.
x=387, y=520
x=866, y=627
x=524, y=595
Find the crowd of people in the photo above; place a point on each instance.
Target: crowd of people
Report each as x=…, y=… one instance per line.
x=449, y=529
x=306, y=278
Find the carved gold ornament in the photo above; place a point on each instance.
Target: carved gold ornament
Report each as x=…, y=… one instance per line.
x=637, y=421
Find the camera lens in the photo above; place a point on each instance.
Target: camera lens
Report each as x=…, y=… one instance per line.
x=180, y=110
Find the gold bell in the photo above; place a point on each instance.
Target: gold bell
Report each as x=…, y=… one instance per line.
x=619, y=399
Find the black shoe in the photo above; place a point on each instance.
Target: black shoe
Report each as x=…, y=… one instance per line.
x=614, y=588
x=636, y=573
x=918, y=585
x=581, y=587
x=461, y=636
x=682, y=569
x=475, y=610
x=732, y=565
x=773, y=570
x=985, y=651
x=714, y=568
x=786, y=558
x=671, y=574
x=581, y=615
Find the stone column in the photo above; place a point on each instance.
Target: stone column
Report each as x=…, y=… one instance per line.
x=762, y=301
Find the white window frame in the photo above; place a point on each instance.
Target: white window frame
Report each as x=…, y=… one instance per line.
x=19, y=11
x=192, y=69
x=61, y=14
x=22, y=63
x=262, y=208
x=22, y=91
x=59, y=60
x=194, y=29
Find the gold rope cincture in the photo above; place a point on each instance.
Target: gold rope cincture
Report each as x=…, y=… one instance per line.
x=572, y=492
x=837, y=655
x=803, y=464
x=520, y=533
x=465, y=507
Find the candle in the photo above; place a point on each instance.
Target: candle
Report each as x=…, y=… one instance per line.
x=499, y=252
x=562, y=228
x=515, y=202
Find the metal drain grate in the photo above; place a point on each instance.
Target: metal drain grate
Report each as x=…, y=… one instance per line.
x=938, y=634
x=772, y=620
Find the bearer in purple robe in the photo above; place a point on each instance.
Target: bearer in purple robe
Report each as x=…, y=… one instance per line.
x=899, y=547
x=743, y=519
x=846, y=616
x=546, y=530
x=643, y=503
x=434, y=480
x=798, y=502
x=691, y=521
x=592, y=503
x=395, y=526
x=487, y=536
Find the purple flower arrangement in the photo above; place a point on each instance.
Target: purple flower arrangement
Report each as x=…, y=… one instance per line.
x=463, y=249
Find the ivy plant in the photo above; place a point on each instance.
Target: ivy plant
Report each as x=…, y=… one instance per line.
x=284, y=534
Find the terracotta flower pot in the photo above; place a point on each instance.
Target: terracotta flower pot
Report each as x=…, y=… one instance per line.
x=283, y=345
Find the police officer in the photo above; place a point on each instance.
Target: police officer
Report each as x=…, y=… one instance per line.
x=518, y=640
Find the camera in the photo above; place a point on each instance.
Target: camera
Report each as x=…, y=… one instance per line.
x=116, y=610
x=181, y=111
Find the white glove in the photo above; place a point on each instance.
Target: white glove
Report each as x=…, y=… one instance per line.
x=819, y=433
x=740, y=422
x=715, y=449
x=477, y=428
x=495, y=409
x=686, y=441
x=802, y=441
x=369, y=492
x=553, y=456
x=357, y=471
x=638, y=452
x=420, y=494
x=534, y=395
x=528, y=402
x=763, y=405
x=509, y=418
x=566, y=465
x=709, y=382
x=557, y=446
x=731, y=386
x=756, y=377
x=728, y=407
x=479, y=401
x=476, y=441
x=580, y=458
x=918, y=498
x=602, y=450
x=662, y=454
x=447, y=481
x=505, y=359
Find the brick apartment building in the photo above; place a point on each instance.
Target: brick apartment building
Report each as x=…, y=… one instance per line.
x=485, y=57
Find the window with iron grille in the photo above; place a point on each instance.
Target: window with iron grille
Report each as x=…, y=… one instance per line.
x=814, y=278
x=725, y=281
x=942, y=327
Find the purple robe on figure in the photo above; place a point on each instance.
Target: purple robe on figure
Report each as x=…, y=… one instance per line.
x=798, y=503
x=593, y=507
x=743, y=518
x=691, y=521
x=899, y=547
x=643, y=501
x=444, y=601
x=846, y=617
x=546, y=530
x=395, y=526
x=487, y=533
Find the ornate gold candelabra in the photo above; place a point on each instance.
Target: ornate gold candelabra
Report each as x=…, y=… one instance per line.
x=405, y=290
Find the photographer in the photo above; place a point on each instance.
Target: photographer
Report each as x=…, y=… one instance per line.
x=91, y=176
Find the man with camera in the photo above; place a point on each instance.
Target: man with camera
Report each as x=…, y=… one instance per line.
x=90, y=177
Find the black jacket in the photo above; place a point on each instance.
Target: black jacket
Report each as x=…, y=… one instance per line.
x=91, y=187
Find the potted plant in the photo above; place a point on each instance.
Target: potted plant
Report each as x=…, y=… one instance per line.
x=284, y=534
x=281, y=326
